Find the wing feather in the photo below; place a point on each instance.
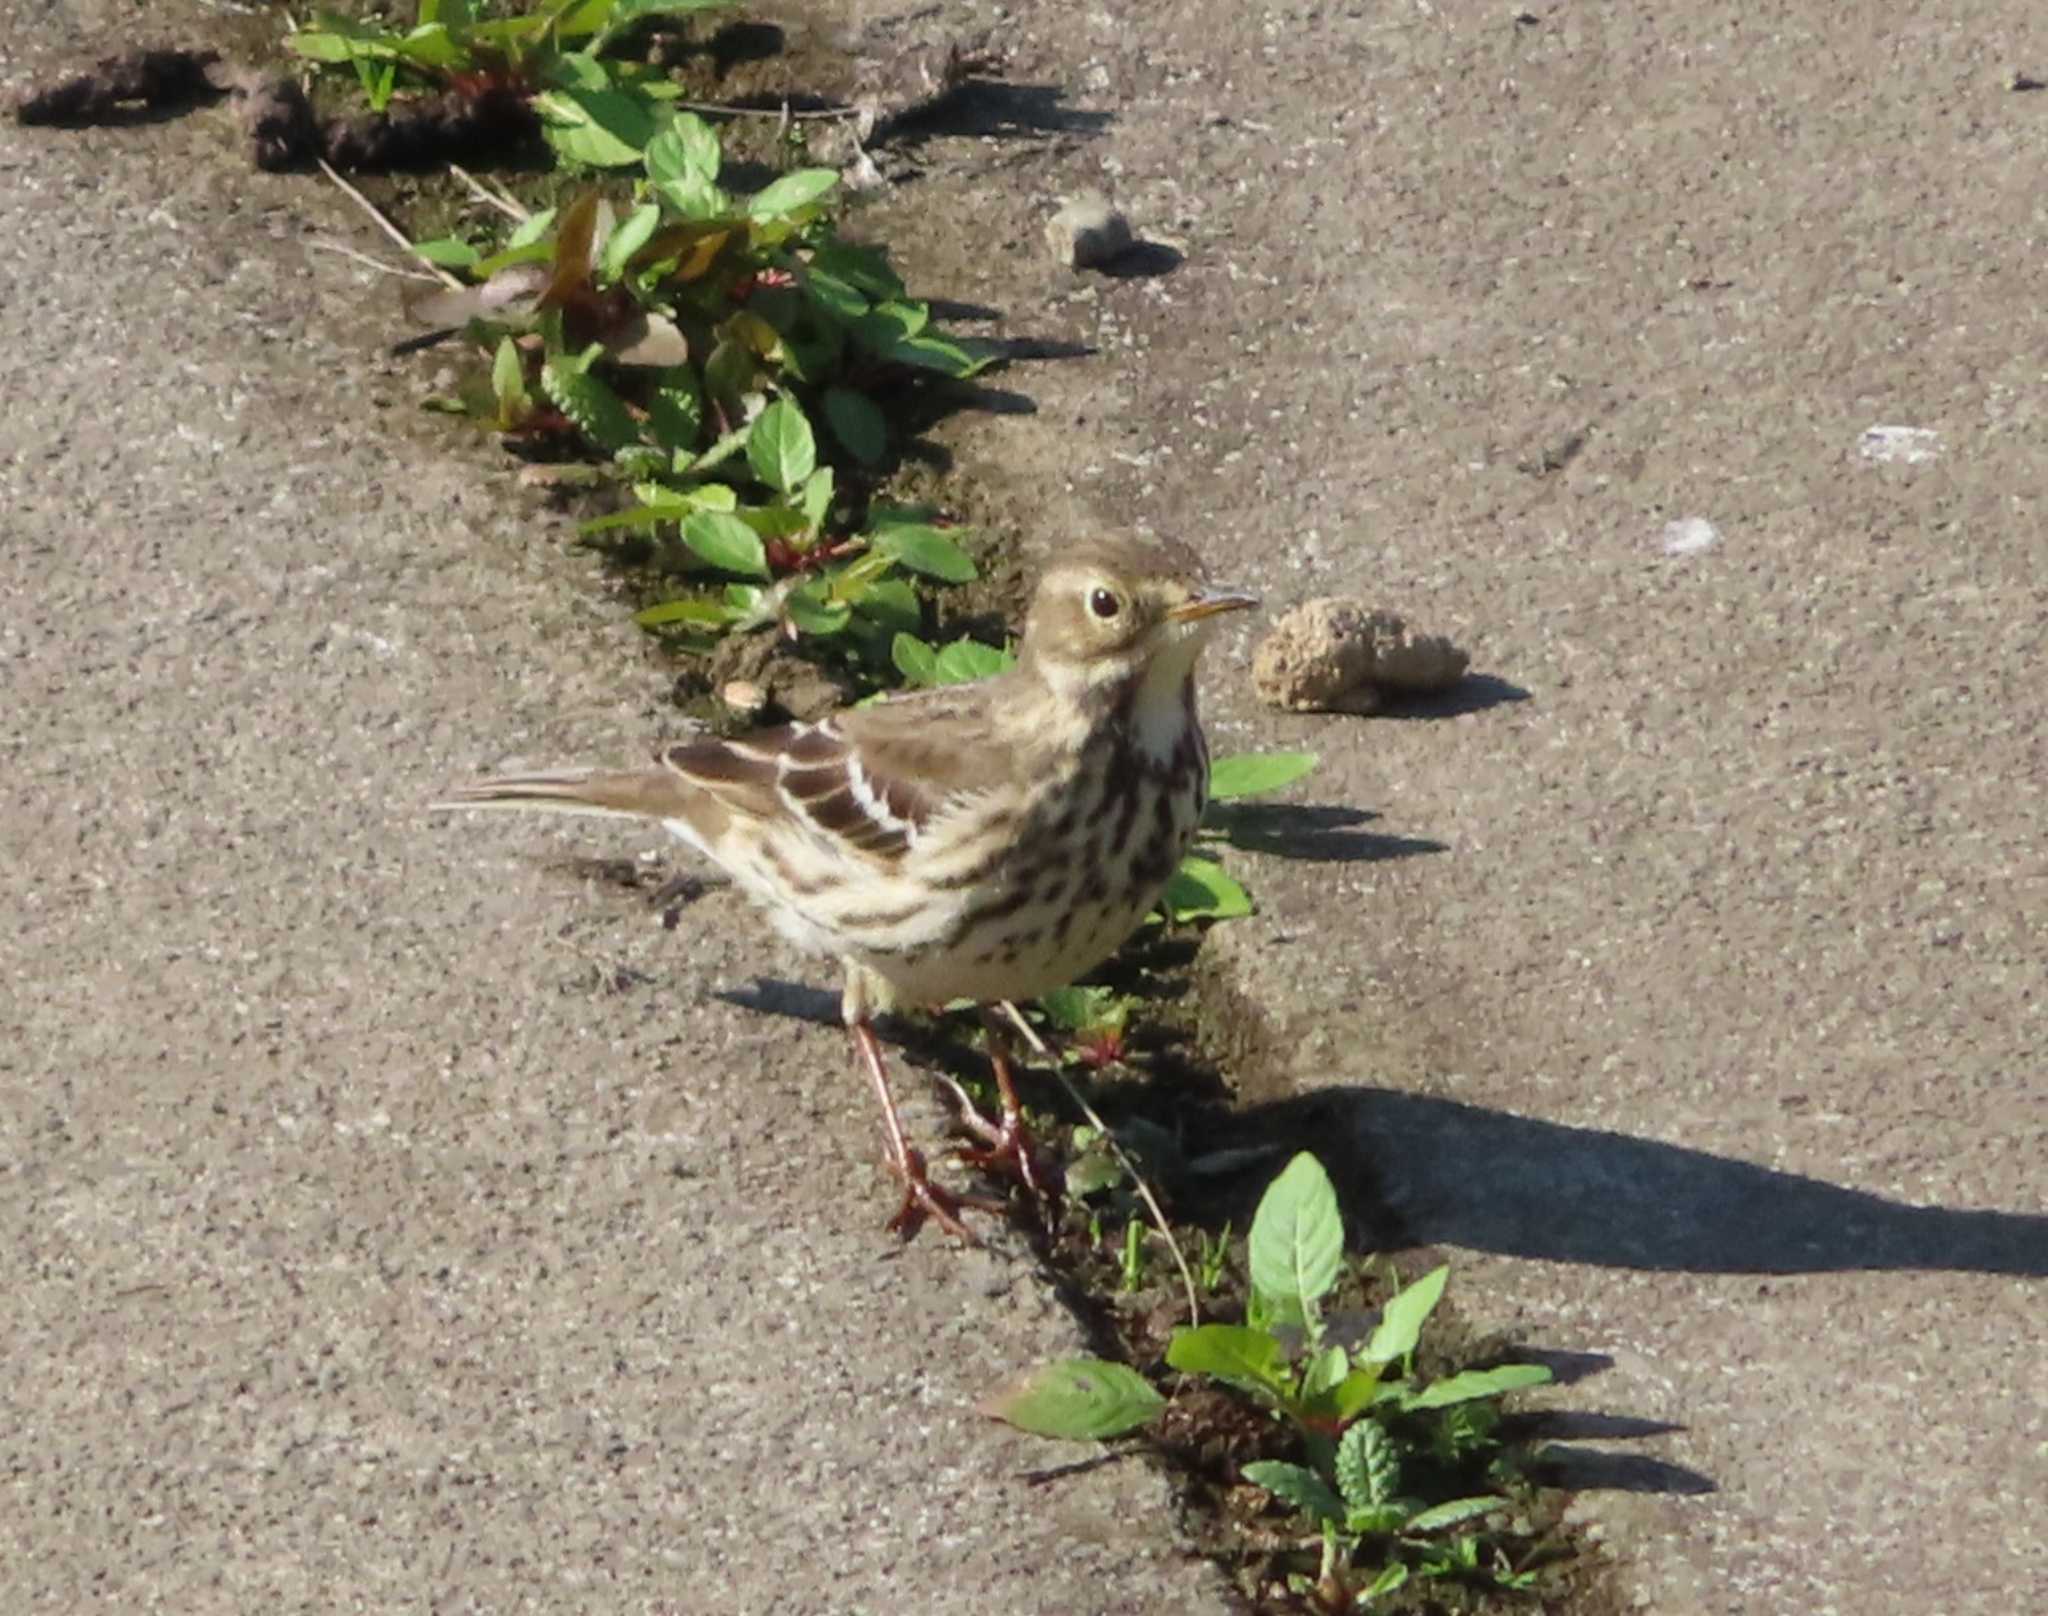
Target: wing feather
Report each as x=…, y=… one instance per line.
x=871, y=779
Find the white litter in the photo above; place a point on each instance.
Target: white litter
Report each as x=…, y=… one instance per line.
x=1899, y=445
x=1689, y=535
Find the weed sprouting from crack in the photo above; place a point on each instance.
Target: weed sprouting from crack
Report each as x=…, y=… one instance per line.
x=1336, y=1473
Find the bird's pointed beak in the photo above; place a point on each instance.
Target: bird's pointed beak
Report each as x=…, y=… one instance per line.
x=1208, y=603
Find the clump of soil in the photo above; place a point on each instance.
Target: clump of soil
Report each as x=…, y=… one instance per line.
x=122, y=86
x=488, y=120
x=1333, y=655
x=491, y=124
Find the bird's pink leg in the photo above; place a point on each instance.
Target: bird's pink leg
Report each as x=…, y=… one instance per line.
x=1008, y=1144
x=921, y=1197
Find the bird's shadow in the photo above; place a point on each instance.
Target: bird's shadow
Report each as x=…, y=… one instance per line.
x=774, y=996
x=1322, y=832
x=1415, y=1170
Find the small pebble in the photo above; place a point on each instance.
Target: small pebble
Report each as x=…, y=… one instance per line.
x=1088, y=232
x=743, y=696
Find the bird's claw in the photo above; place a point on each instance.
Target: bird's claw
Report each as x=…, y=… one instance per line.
x=1006, y=1147
x=923, y=1199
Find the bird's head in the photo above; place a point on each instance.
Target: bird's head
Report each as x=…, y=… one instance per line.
x=1116, y=611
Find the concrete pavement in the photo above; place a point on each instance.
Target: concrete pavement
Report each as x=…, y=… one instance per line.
x=395, y=1222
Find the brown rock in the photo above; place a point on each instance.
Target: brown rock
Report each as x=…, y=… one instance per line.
x=1337, y=655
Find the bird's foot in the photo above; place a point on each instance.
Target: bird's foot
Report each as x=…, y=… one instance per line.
x=1005, y=1147
x=923, y=1199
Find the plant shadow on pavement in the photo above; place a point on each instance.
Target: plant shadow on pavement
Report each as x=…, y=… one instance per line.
x=1324, y=833
x=981, y=108
x=1474, y=693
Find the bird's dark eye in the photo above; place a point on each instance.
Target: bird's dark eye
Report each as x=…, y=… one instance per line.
x=1104, y=604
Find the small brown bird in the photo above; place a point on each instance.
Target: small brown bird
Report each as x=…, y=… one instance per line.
x=990, y=841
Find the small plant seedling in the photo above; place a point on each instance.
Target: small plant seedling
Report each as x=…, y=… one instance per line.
x=1092, y=1020
x=959, y=662
x=1355, y=1413
x=1213, y=1260
x=1134, y=1256
x=595, y=111
x=722, y=357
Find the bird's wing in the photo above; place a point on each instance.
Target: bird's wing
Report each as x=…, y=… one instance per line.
x=873, y=778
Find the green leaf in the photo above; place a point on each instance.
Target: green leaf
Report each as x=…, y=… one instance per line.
x=1373, y=1519
x=964, y=661
x=696, y=613
x=640, y=517
x=448, y=252
x=780, y=446
x=319, y=45
x=694, y=199
x=342, y=39
x=889, y=324
x=808, y=609
x=1463, y=1388
x=430, y=46
x=674, y=504
x=857, y=423
x=816, y=498
x=527, y=233
x=675, y=410
x=631, y=235
x=840, y=299
x=1368, y=1466
x=1324, y=1373
x=772, y=521
x=926, y=549
x=1455, y=1513
x=1236, y=1354
x=508, y=383
x=866, y=268
x=1078, y=1009
x=1081, y=1399
x=1256, y=773
x=958, y=360
x=1355, y=1394
x=1091, y=1171
x=1200, y=890
x=893, y=604
x=916, y=661
x=726, y=542
x=581, y=70
x=597, y=128
x=1390, y=1580
x=1296, y=1485
x=1296, y=1244
x=594, y=407
x=1401, y=1320
x=686, y=153
x=792, y=191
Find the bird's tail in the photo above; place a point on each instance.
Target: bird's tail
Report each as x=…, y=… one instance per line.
x=623, y=793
